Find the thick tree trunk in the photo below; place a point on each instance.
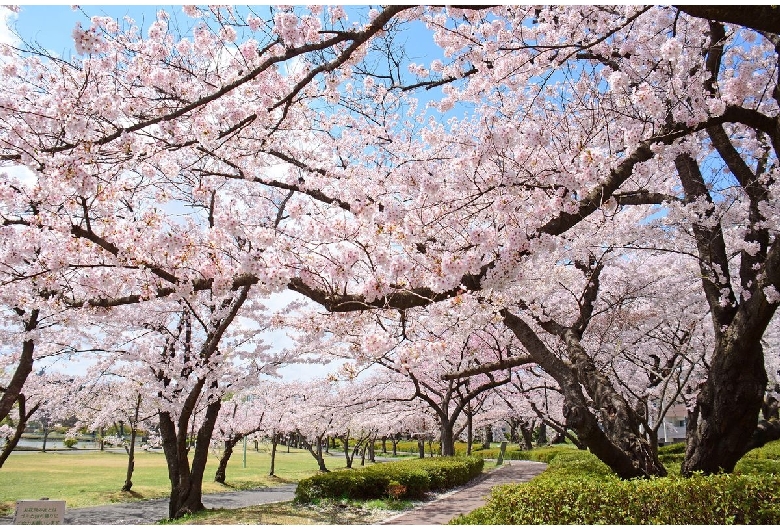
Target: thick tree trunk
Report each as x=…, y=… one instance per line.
x=542, y=439
x=447, y=439
x=527, y=431
x=768, y=429
x=728, y=404
x=394, y=442
x=230, y=444
x=488, y=439
x=618, y=442
x=513, y=425
x=421, y=446
x=384, y=445
x=730, y=399
x=614, y=436
x=274, y=443
x=187, y=481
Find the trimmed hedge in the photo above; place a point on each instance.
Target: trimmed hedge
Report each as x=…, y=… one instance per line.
x=415, y=479
x=540, y=454
x=579, y=489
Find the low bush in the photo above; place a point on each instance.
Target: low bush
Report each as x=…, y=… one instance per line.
x=406, y=479
x=540, y=454
x=579, y=489
x=672, y=449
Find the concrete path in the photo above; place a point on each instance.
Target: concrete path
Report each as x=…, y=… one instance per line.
x=471, y=497
x=149, y=512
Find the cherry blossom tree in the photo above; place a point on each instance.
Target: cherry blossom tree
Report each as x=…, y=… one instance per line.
x=299, y=159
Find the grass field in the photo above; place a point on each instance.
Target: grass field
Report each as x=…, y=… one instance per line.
x=91, y=478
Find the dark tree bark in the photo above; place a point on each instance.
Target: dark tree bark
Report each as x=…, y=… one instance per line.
x=10, y=393
x=542, y=439
x=187, y=480
x=447, y=439
x=469, y=432
x=45, y=424
x=761, y=18
x=421, y=446
x=347, y=456
x=316, y=452
x=488, y=437
x=613, y=437
x=230, y=444
x=24, y=417
x=274, y=443
x=768, y=429
x=728, y=406
x=394, y=442
x=128, y=485
x=730, y=398
x=527, y=432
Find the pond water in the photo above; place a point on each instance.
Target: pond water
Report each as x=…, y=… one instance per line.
x=28, y=443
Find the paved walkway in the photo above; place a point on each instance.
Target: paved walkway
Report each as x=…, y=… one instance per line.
x=149, y=512
x=439, y=511
x=471, y=497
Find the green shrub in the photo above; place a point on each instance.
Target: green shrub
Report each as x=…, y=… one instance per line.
x=579, y=489
x=540, y=454
x=416, y=478
x=70, y=442
x=672, y=449
x=343, y=484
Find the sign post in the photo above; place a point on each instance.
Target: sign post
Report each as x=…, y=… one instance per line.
x=39, y=512
x=501, y=454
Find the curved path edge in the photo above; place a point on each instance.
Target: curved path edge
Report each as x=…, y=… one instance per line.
x=469, y=498
x=154, y=510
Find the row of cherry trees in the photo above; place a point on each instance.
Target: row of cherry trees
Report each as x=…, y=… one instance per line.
x=578, y=201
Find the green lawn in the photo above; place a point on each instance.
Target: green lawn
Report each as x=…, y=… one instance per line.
x=91, y=478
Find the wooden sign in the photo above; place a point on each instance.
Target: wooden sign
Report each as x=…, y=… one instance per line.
x=39, y=512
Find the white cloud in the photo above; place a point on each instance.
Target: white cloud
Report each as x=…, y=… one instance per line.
x=7, y=36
